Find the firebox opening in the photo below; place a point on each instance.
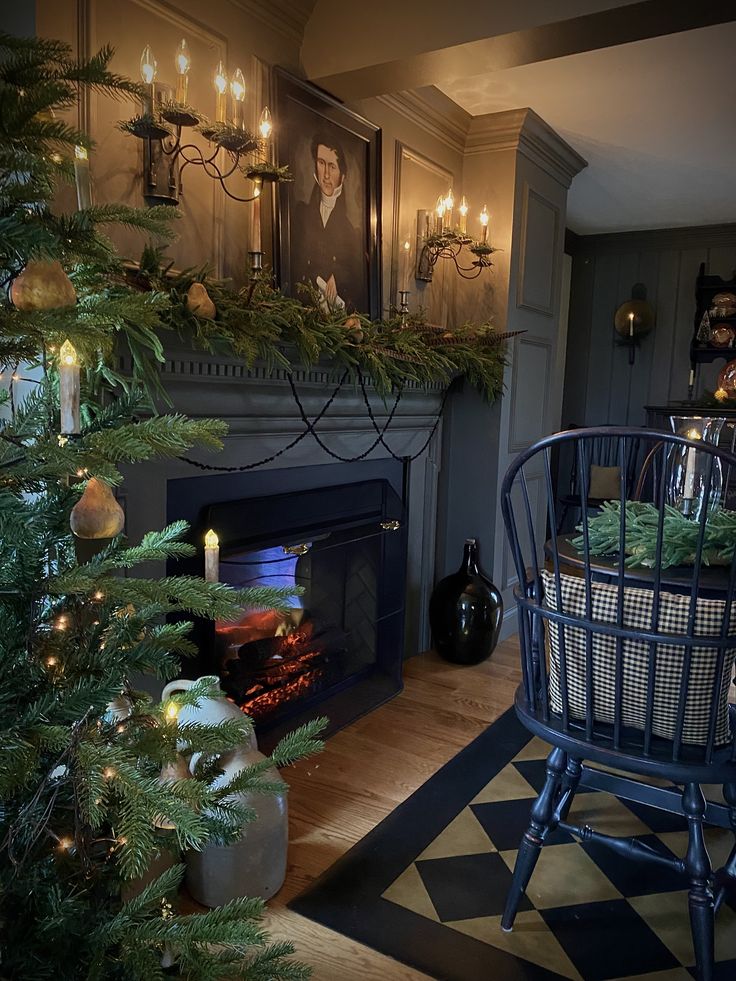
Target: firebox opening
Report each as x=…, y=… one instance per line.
x=337, y=647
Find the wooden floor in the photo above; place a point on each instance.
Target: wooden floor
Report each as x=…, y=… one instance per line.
x=364, y=773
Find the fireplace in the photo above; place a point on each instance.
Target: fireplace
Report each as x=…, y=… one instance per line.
x=338, y=650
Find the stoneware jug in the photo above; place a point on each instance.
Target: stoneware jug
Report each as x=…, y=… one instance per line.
x=255, y=865
x=210, y=711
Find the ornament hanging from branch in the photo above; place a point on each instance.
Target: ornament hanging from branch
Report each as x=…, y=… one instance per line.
x=97, y=514
x=42, y=286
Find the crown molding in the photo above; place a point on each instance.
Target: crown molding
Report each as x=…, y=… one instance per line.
x=285, y=17
x=523, y=130
x=434, y=112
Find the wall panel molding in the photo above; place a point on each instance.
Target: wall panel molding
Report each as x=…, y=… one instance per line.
x=530, y=385
x=537, y=250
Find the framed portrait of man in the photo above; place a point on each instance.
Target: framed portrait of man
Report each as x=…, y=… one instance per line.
x=328, y=217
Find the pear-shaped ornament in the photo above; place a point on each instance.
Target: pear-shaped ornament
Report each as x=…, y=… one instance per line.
x=42, y=285
x=97, y=514
x=199, y=302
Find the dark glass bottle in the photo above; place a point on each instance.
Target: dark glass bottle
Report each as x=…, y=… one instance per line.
x=465, y=612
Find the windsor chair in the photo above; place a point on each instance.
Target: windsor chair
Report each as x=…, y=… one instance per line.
x=631, y=677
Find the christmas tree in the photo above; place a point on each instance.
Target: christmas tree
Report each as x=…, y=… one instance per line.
x=94, y=775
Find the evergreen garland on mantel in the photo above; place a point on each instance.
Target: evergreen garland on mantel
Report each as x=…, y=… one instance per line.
x=679, y=535
x=259, y=323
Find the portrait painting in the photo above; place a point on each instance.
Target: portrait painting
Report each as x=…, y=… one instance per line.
x=328, y=216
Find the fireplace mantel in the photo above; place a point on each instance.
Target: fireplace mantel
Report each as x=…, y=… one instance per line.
x=259, y=408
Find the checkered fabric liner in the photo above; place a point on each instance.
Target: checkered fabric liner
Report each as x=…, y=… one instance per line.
x=637, y=614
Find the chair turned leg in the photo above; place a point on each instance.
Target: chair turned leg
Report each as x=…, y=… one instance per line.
x=729, y=794
x=700, y=897
x=570, y=781
x=531, y=844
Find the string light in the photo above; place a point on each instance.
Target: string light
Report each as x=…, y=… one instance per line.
x=50, y=662
x=66, y=844
x=99, y=595
x=109, y=772
x=172, y=711
x=61, y=623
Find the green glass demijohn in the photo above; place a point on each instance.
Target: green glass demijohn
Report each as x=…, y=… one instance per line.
x=465, y=612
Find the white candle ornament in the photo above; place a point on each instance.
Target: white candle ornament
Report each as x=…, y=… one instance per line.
x=69, y=389
x=81, y=178
x=211, y=557
x=631, y=325
x=183, y=63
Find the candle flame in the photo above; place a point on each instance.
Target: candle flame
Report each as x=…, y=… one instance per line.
x=211, y=540
x=182, y=59
x=172, y=711
x=220, y=79
x=237, y=86
x=406, y=246
x=265, y=124
x=68, y=354
x=148, y=65
x=449, y=200
x=463, y=206
x=80, y=152
x=484, y=216
x=693, y=434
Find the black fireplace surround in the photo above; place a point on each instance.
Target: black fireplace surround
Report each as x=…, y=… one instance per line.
x=339, y=532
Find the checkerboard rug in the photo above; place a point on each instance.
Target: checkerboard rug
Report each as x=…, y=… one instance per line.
x=428, y=885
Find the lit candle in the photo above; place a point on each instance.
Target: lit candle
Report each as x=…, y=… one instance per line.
x=220, y=93
x=631, y=325
x=440, y=213
x=237, y=91
x=265, y=123
x=255, y=238
x=69, y=389
x=484, y=219
x=183, y=63
x=404, y=272
x=688, y=493
x=211, y=557
x=463, y=209
x=81, y=178
x=148, y=74
x=449, y=205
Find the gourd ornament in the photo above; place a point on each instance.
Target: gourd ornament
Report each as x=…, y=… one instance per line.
x=199, y=302
x=97, y=514
x=42, y=285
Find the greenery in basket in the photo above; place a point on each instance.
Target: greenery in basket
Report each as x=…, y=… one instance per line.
x=679, y=535
x=94, y=774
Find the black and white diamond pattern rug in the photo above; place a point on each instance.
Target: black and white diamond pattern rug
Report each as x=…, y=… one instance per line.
x=428, y=885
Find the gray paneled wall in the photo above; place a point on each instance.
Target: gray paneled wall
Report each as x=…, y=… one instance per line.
x=600, y=384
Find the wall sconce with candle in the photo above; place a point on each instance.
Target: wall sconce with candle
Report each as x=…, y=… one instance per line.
x=235, y=152
x=634, y=319
x=439, y=238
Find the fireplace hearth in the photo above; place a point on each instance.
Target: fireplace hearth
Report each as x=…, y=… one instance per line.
x=338, y=650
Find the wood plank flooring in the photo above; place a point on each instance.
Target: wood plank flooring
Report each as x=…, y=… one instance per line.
x=364, y=773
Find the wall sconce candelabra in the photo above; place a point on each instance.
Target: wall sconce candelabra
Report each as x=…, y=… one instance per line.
x=234, y=149
x=438, y=238
x=634, y=319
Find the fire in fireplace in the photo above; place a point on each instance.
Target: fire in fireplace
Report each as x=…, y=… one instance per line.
x=338, y=649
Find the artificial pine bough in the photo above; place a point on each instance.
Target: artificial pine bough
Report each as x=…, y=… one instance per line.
x=679, y=535
x=93, y=781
